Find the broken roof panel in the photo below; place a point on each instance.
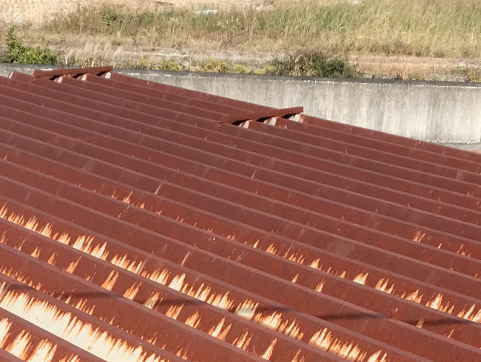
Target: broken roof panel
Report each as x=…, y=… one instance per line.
x=145, y=222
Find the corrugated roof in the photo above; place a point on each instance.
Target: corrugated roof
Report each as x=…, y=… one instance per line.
x=144, y=222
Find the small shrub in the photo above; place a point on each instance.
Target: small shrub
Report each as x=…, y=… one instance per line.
x=240, y=69
x=259, y=71
x=17, y=52
x=165, y=64
x=171, y=65
x=213, y=65
x=142, y=64
x=313, y=64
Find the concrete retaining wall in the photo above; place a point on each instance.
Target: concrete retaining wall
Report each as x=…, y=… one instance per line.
x=434, y=111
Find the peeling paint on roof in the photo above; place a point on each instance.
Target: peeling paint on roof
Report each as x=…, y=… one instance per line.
x=144, y=222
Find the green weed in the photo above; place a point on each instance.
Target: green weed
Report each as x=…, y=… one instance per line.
x=18, y=52
x=313, y=64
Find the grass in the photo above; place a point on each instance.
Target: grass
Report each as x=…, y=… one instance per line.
x=426, y=28
x=314, y=64
x=305, y=38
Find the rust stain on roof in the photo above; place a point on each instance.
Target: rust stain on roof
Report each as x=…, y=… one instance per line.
x=144, y=222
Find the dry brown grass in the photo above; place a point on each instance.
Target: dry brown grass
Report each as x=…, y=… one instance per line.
x=421, y=39
x=38, y=11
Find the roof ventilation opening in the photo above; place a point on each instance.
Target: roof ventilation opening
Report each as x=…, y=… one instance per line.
x=244, y=124
x=71, y=72
x=263, y=117
x=272, y=121
x=296, y=117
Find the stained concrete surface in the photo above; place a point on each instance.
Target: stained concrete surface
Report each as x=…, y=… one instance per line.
x=442, y=112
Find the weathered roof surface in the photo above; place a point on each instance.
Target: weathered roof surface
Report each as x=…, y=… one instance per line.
x=144, y=222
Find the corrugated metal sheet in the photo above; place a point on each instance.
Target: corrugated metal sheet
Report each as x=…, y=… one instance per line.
x=144, y=222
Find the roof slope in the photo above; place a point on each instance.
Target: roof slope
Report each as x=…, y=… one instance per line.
x=144, y=222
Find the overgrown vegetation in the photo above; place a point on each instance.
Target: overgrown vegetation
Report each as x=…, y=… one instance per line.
x=18, y=52
x=348, y=38
x=313, y=64
x=430, y=28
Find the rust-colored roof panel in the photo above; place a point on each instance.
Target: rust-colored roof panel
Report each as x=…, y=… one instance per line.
x=161, y=224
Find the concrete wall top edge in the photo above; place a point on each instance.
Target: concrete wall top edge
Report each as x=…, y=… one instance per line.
x=28, y=68
x=300, y=78
x=430, y=111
